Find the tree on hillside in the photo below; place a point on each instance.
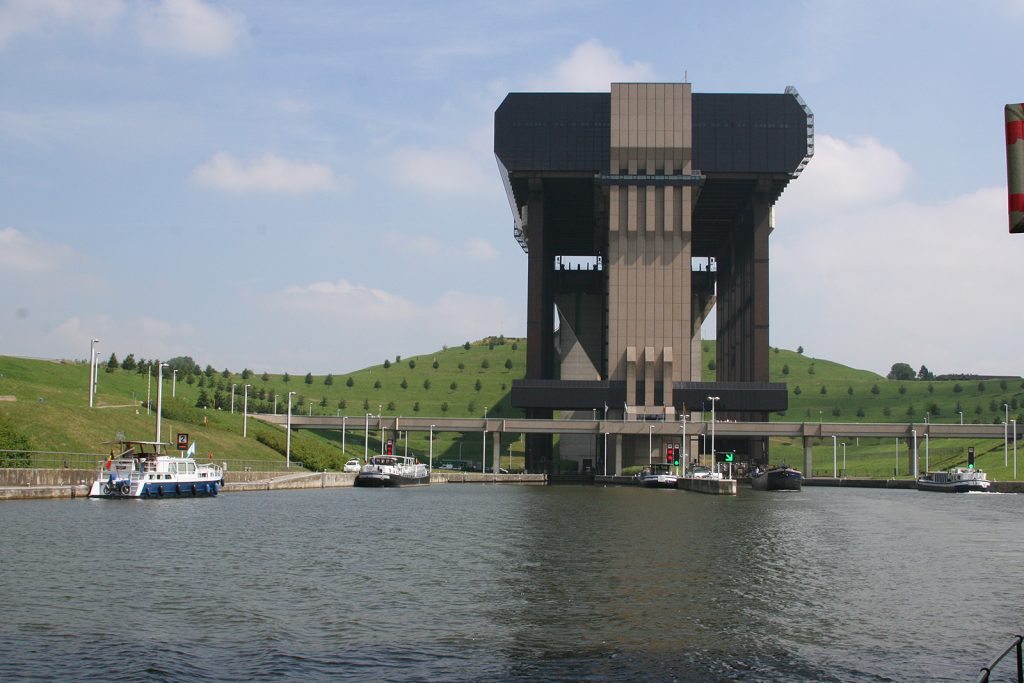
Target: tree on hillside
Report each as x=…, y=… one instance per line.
x=925, y=373
x=387, y=363
x=875, y=390
x=462, y=366
x=412, y=363
x=366, y=404
x=435, y=364
x=209, y=371
x=329, y=379
x=404, y=384
x=485, y=364
x=391, y=406
x=350, y=383
x=342, y=404
x=508, y=363
x=204, y=399
x=309, y=378
x=226, y=373
x=901, y=371
x=466, y=346
x=323, y=402
x=515, y=346
x=426, y=384
x=479, y=385
x=286, y=377
x=376, y=384
x=265, y=377
x=190, y=379
x=416, y=407
x=453, y=386
x=246, y=373
x=112, y=364
x=800, y=349
x=785, y=368
x=129, y=362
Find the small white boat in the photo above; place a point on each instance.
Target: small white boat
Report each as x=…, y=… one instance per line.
x=657, y=476
x=956, y=480
x=391, y=471
x=139, y=471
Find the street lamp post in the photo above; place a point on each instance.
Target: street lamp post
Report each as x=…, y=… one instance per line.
x=366, y=446
x=927, y=440
x=343, y=421
x=432, y=447
x=92, y=371
x=159, y=401
x=714, y=400
x=483, y=448
x=605, y=456
x=650, y=445
x=1006, y=436
x=961, y=416
x=914, y=433
x=245, y=412
x=684, y=443
x=174, y=384
x=1015, y=449
x=233, y=399
x=149, y=380
x=844, y=458
x=288, y=444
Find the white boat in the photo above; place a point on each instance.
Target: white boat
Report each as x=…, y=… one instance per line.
x=139, y=471
x=701, y=472
x=657, y=476
x=956, y=480
x=393, y=470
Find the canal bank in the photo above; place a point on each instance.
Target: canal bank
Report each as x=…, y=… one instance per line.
x=26, y=483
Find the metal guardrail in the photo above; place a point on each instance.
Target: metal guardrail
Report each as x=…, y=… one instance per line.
x=986, y=671
x=78, y=461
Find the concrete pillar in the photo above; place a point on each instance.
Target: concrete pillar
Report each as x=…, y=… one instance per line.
x=618, y=454
x=496, y=449
x=808, y=457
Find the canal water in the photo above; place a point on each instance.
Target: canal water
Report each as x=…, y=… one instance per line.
x=512, y=583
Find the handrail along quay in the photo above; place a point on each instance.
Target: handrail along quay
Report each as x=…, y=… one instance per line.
x=986, y=671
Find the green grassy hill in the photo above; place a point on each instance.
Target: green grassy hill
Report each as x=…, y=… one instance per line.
x=51, y=407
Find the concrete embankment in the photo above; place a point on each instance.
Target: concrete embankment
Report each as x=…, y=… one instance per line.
x=26, y=483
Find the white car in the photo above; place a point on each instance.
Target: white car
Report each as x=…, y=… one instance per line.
x=352, y=466
x=701, y=472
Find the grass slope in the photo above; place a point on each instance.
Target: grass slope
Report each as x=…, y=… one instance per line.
x=52, y=407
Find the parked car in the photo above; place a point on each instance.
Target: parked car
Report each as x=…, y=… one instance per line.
x=352, y=466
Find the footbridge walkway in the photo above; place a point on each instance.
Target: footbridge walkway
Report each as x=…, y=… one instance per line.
x=496, y=427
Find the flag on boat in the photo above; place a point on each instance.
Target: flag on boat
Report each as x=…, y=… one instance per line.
x=191, y=450
x=107, y=464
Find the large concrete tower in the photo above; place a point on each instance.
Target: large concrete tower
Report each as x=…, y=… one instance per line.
x=633, y=206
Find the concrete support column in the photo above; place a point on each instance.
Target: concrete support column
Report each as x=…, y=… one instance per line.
x=808, y=458
x=618, y=453
x=496, y=449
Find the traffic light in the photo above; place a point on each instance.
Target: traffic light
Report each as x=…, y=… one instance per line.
x=970, y=458
x=675, y=455
x=390, y=447
x=668, y=454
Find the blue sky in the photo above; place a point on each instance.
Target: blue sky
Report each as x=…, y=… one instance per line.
x=310, y=186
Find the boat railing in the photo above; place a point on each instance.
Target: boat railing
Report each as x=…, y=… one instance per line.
x=1015, y=646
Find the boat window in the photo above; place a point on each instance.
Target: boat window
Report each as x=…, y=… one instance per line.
x=191, y=467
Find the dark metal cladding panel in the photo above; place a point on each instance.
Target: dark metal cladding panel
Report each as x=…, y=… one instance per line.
x=553, y=132
x=742, y=133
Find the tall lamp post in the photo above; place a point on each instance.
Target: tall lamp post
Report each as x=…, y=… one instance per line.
x=483, y=448
x=1015, y=449
x=684, y=442
x=1006, y=436
x=366, y=446
x=650, y=445
x=844, y=458
x=927, y=440
x=714, y=400
x=174, y=384
x=245, y=412
x=92, y=370
x=288, y=440
x=343, y=421
x=159, y=401
x=233, y=399
x=914, y=433
x=432, y=447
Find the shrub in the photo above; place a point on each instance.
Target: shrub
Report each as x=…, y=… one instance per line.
x=350, y=382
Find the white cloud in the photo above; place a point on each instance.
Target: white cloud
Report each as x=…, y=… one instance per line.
x=269, y=173
x=190, y=27
x=847, y=175
x=593, y=67
x=446, y=171
x=19, y=17
x=18, y=253
x=878, y=278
